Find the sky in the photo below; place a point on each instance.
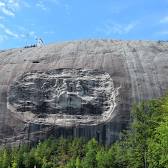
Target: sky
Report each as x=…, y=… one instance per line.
x=23, y=21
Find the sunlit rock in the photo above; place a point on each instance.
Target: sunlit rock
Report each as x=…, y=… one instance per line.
x=78, y=89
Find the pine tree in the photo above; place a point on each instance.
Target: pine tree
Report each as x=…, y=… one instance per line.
x=91, y=151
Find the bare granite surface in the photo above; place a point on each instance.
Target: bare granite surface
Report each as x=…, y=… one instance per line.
x=83, y=88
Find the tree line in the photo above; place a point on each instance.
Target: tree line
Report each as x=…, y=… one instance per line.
x=143, y=145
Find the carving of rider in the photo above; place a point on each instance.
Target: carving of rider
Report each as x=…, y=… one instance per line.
x=79, y=88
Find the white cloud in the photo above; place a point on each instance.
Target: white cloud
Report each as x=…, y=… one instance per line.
x=2, y=4
x=165, y=32
x=21, y=33
x=10, y=7
x=25, y=32
x=32, y=34
x=41, y=5
x=115, y=28
x=5, y=10
x=46, y=4
x=8, y=32
x=13, y=4
x=164, y=20
x=25, y=35
x=2, y=38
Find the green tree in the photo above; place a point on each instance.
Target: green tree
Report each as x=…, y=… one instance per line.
x=102, y=159
x=71, y=164
x=14, y=164
x=158, y=146
x=78, y=163
x=91, y=151
x=5, y=158
x=29, y=159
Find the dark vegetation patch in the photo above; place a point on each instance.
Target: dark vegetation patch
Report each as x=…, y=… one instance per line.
x=144, y=145
x=30, y=46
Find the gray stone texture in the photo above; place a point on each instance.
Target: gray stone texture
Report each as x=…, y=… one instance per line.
x=138, y=71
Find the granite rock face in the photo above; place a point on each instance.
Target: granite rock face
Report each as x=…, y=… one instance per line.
x=65, y=97
x=83, y=88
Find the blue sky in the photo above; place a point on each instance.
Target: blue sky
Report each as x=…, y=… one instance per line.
x=22, y=21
